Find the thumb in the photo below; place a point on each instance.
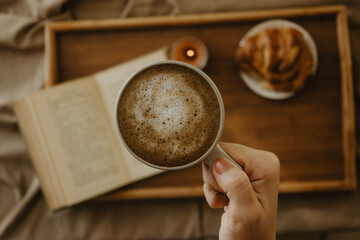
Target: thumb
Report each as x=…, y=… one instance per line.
x=235, y=184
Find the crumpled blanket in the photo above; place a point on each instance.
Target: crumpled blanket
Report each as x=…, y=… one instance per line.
x=22, y=71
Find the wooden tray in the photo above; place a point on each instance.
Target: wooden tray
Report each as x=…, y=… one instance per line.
x=312, y=133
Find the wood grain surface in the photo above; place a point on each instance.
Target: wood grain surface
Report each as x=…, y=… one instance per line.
x=306, y=132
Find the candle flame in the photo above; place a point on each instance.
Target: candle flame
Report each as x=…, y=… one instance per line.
x=190, y=53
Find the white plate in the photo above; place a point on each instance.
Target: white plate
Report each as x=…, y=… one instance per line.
x=257, y=84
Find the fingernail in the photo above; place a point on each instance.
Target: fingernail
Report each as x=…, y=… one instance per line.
x=221, y=165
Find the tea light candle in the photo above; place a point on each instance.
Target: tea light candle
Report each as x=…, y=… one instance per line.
x=190, y=50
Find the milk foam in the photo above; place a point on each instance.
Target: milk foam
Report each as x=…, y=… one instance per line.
x=169, y=115
x=170, y=108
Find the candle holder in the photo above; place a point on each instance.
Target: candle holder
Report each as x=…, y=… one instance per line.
x=190, y=50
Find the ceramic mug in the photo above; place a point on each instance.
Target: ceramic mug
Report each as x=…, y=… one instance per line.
x=214, y=152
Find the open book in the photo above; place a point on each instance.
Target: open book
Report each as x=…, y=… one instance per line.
x=72, y=139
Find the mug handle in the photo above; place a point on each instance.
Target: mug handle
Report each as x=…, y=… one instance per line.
x=216, y=153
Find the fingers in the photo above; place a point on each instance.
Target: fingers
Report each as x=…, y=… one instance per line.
x=213, y=192
x=209, y=178
x=262, y=168
x=259, y=182
x=235, y=184
x=257, y=164
x=214, y=198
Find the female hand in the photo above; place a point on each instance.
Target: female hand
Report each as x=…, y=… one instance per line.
x=249, y=196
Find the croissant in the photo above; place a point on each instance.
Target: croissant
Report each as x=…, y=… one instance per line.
x=280, y=56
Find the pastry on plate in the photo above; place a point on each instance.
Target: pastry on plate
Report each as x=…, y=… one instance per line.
x=277, y=58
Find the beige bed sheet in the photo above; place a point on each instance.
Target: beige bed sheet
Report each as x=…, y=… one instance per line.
x=22, y=71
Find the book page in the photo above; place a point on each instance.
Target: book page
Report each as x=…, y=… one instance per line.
x=110, y=82
x=84, y=151
x=30, y=129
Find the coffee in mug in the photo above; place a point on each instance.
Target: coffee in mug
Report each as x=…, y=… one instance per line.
x=168, y=115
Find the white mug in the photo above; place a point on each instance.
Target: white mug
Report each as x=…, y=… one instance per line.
x=214, y=152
